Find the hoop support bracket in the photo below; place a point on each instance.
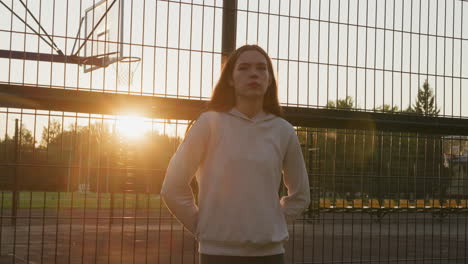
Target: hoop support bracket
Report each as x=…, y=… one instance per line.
x=23, y=55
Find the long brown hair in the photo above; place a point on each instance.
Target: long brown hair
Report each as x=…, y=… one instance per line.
x=224, y=97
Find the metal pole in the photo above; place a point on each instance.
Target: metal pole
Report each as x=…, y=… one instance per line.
x=229, y=29
x=114, y=173
x=15, y=175
x=112, y=200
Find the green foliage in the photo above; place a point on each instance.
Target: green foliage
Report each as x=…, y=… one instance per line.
x=347, y=103
x=387, y=108
x=375, y=164
x=91, y=154
x=7, y=146
x=425, y=102
x=26, y=138
x=51, y=132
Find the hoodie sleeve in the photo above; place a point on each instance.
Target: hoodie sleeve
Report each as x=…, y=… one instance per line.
x=176, y=191
x=296, y=180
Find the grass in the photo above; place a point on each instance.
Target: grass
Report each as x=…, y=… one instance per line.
x=54, y=200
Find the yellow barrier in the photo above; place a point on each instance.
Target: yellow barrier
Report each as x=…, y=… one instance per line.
x=374, y=203
x=325, y=203
x=452, y=203
x=464, y=203
x=340, y=203
x=357, y=204
x=420, y=204
x=434, y=203
x=388, y=203
x=403, y=204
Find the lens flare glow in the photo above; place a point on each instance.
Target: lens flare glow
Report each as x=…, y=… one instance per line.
x=132, y=127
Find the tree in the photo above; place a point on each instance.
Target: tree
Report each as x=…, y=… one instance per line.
x=51, y=132
x=346, y=103
x=12, y=151
x=425, y=102
x=387, y=108
x=26, y=142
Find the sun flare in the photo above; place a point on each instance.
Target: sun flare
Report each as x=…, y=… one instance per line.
x=132, y=127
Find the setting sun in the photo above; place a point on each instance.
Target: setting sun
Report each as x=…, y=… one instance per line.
x=132, y=127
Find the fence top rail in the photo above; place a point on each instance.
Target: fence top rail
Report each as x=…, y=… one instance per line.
x=37, y=97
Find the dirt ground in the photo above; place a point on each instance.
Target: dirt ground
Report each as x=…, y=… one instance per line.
x=139, y=236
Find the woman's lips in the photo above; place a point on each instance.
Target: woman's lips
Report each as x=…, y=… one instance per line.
x=253, y=85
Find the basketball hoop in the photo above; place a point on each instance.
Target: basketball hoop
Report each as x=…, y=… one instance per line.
x=130, y=59
x=125, y=69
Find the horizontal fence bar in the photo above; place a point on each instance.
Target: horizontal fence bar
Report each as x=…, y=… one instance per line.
x=31, y=97
x=35, y=97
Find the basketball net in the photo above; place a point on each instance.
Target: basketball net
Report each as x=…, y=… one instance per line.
x=125, y=71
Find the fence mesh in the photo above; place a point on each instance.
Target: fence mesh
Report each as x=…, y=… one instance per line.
x=84, y=187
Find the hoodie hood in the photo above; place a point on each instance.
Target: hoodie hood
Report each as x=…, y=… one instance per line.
x=260, y=117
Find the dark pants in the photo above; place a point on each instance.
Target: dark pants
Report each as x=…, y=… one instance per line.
x=214, y=259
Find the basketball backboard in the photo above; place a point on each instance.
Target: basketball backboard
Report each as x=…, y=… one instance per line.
x=103, y=27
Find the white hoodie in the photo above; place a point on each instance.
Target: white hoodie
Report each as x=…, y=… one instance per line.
x=238, y=162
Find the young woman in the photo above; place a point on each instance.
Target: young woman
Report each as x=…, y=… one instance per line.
x=239, y=149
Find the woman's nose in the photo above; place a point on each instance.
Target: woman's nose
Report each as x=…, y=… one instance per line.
x=253, y=73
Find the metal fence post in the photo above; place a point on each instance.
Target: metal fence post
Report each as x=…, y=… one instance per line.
x=15, y=197
x=229, y=29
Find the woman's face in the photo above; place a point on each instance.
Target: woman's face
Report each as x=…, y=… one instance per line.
x=250, y=76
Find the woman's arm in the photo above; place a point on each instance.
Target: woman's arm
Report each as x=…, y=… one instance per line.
x=296, y=180
x=176, y=190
